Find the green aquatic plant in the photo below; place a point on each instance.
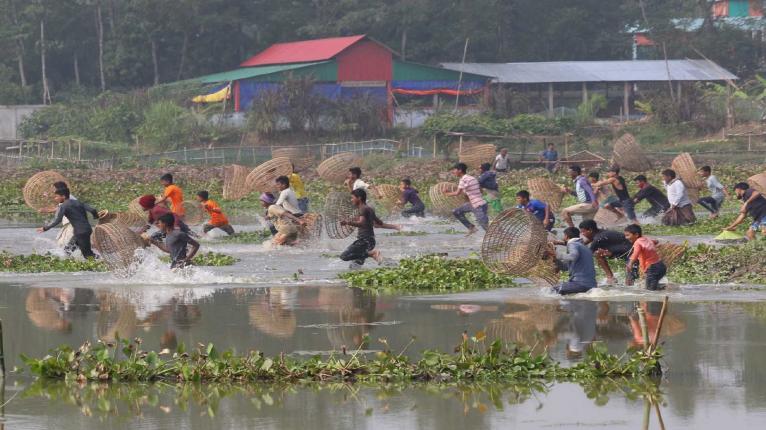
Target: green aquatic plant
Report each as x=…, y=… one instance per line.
x=474, y=360
x=705, y=264
x=36, y=263
x=258, y=236
x=703, y=226
x=429, y=273
x=213, y=259
x=407, y=233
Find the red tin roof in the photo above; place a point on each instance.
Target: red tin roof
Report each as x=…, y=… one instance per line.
x=302, y=51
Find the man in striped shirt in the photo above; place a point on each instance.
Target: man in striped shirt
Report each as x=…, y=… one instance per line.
x=469, y=187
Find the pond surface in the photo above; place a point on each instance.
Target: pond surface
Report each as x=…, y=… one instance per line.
x=289, y=300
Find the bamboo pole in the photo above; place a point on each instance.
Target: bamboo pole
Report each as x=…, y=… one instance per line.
x=657, y=332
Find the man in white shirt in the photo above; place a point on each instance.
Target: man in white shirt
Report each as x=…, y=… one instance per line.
x=502, y=161
x=354, y=180
x=680, y=212
x=287, y=199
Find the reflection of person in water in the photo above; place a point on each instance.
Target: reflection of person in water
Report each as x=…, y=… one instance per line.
x=582, y=326
x=652, y=314
x=53, y=308
x=272, y=313
x=351, y=320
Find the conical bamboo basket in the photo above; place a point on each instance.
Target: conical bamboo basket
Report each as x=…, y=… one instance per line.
x=442, y=203
x=606, y=218
x=263, y=177
x=117, y=245
x=684, y=166
x=671, y=253
x=514, y=243
x=758, y=182
x=335, y=168
x=38, y=191
x=475, y=156
x=337, y=208
x=629, y=156
x=235, y=182
x=547, y=191
x=312, y=227
x=386, y=195
x=299, y=156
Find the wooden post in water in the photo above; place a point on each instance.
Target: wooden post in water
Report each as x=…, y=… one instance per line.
x=657, y=332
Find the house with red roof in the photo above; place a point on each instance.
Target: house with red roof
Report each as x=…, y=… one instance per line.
x=343, y=67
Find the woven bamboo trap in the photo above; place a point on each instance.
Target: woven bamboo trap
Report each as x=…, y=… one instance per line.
x=606, y=218
x=311, y=228
x=117, y=245
x=547, y=191
x=38, y=191
x=128, y=219
x=386, y=195
x=475, y=156
x=297, y=155
x=514, y=243
x=337, y=208
x=758, y=182
x=684, y=166
x=263, y=177
x=671, y=253
x=194, y=213
x=335, y=168
x=234, y=182
x=627, y=154
x=442, y=203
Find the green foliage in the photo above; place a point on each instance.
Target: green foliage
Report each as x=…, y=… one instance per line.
x=445, y=122
x=429, y=273
x=211, y=259
x=474, y=360
x=403, y=233
x=587, y=110
x=36, y=263
x=703, y=226
x=166, y=126
x=705, y=264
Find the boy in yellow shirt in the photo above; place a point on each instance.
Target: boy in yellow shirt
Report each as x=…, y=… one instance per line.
x=172, y=192
x=296, y=183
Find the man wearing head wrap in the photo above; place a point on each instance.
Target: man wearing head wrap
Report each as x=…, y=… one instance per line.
x=154, y=212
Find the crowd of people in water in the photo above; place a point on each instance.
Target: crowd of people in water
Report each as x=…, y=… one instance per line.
x=586, y=246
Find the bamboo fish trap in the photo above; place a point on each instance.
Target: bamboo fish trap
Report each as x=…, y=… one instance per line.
x=297, y=155
x=606, y=218
x=128, y=219
x=335, y=168
x=684, y=166
x=629, y=155
x=476, y=155
x=311, y=228
x=442, y=203
x=194, y=213
x=117, y=245
x=547, y=191
x=514, y=243
x=38, y=191
x=758, y=182
x=337, y=208
x=234, y=182
x=671, y=253
x=263, y=177
x=386, y=195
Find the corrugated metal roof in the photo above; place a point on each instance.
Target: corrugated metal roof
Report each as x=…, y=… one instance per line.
x=252, y=72
x=407, y=71
x=597, y=71
x=304, y=51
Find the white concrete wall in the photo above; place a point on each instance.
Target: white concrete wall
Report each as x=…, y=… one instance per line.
x=11, y=117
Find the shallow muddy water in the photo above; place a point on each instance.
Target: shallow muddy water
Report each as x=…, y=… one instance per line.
x=290, y=301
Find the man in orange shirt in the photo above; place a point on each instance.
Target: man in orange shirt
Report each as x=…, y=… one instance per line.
x=173, y=193
x=217, y=217
x=649, y=261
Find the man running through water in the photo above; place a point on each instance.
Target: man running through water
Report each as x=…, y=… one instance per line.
x=364, y=245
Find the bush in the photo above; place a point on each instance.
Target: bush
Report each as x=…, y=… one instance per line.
x=166, y=126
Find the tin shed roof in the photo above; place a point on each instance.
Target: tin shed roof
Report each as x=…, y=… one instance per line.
x=597, y=71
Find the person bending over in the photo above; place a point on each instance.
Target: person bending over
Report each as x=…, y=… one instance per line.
x=364, y=245
x=176, y=242
x=587, y=205
x=621, y=195
x=605, y=244
x=754, y=204
x=579, y=261
x=283, y=224
x=469, y=187
x=649, y=261
x=410, y=195
x=718, y=192
x=287, y=198
x=538, y=208
x=656, y=198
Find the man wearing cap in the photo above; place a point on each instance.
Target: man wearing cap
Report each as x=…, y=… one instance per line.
x=154, y=212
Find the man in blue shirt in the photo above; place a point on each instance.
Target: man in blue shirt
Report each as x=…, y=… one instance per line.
x=550, y=158
x=539, y=209
x=579, y=260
